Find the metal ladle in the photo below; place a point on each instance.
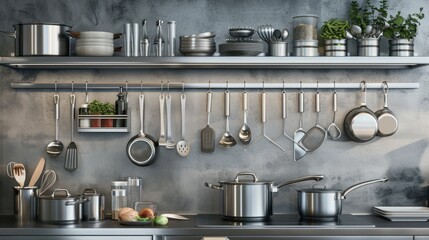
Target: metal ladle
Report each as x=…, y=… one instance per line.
x=227, y=139
x=245, y=134
x=55, y=147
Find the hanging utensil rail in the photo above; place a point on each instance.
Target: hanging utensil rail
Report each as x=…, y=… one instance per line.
x=156, y=86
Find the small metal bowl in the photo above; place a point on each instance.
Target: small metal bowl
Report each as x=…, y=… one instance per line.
x=241, y=32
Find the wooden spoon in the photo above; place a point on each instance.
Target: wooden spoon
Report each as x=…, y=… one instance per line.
x=19, y=173
x=37, y=172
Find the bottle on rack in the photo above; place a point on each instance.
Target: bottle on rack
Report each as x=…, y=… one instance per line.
x=121, y=108
x=84, y=110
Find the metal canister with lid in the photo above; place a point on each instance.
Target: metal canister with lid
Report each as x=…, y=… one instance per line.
x=119, y=197
x=93, y=208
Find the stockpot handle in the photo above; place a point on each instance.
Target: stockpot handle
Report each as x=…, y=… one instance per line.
x=358, y=185
x=9, y=34
x=216, y=187
x=296, y=180
x=79, y=201
x=236, y=179
x=61, y=190
x=89, y=191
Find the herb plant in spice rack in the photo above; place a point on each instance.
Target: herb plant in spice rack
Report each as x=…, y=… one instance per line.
x=367, y=24
x=402, y=32
x=98, y=108
x=334, y=32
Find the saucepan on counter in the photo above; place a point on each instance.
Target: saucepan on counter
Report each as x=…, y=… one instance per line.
x=325, y=203
x=251, y=199
x=60, y=208
x=40, y=39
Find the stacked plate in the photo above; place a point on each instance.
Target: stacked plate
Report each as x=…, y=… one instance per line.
x=403, y=213
x=241, y=48
x=94, y=43
x=201, y=44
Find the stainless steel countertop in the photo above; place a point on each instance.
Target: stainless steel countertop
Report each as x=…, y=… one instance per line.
x=383, y=227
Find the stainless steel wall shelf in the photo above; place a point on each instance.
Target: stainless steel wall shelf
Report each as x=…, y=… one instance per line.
x=100, y=128
x=177, y=86
x=214, y=62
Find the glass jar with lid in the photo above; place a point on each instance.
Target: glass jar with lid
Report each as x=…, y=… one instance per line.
x=119, y=197
x=305, y=27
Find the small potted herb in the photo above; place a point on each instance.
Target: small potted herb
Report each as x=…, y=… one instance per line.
x=402, y=32
x=367, y=24
x=334, y=32
x=107, y=109
x=98, y=108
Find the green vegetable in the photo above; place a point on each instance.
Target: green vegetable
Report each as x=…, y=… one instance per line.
x=143, y=219
x=161, y=220
x=335, y=29
x=403, y=28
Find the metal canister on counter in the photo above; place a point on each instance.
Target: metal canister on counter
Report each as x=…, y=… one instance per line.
x=93, y=208
x=119, y=197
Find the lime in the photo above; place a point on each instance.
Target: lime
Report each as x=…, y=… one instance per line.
x=161, y=220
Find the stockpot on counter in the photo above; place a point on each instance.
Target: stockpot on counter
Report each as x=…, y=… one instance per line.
x=325, y=203
x=40, y=39
x=251, y=199
x=93, y=207
x=60, y=208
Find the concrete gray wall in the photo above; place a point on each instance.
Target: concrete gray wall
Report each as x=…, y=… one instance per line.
x=177, y=183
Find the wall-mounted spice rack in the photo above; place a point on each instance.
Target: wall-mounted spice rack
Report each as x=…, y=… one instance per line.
x=104, y=123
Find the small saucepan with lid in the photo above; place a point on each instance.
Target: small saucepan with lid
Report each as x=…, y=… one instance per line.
x=250, y=199
x=326, y=203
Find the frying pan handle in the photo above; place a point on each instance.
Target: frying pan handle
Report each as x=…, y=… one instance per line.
x=334, y=96
x=358, y=185
x=386, y=92
x=284, y=105
x=216, y=187
x=317, y=102
x=264, y=106
x=141, y=111
x=296, y=180
x=363, y=88
x=301, y=102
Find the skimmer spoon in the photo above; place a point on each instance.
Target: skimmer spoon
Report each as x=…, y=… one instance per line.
x=183, y=148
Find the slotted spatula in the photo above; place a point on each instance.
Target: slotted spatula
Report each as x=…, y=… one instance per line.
x=71, y=155
x=207, y=133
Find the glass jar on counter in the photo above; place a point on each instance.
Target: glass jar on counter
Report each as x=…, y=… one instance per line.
x=134, y=190
x=119, y=197
x=305, y=27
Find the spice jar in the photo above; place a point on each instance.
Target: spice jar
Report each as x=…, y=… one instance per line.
x=84, y=110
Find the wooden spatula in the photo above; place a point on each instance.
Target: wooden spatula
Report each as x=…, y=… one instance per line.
x=37, y=172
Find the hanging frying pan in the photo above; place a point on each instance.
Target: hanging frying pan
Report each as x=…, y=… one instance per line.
x=361, y=124
x=387, y=121
x=141, y=149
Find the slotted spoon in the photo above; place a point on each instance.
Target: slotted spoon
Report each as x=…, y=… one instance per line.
x=19, y=173
x=183, y=148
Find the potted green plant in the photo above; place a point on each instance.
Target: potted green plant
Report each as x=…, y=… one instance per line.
x=98, y=108
x=334, y=32
x=402, y=32
x=107, y=109
x=367, y=24
x=95, y=108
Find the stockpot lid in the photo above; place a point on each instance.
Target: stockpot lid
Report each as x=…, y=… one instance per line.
x=56, y=196
x=43, y=23
x=238, y=181
x=91, y=192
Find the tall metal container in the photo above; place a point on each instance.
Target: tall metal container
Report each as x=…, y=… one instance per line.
x=369, y=47
x=336, y=47
x=25, y=203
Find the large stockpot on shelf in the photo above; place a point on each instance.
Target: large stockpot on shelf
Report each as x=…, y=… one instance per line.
x=325, y=203
x=245, y=199
x=40, y=39
x=59, y=208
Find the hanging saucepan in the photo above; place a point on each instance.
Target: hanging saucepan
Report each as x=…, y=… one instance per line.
x=387, y=121
x=40, y=39
x=361, y=124
x=325, y=203
x=251, y=200
x=141, y=149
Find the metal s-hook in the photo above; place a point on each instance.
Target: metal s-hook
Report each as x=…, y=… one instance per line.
x=317, y=86
x=183, y=87
x=284, y=90
x=244, y=86
x=55, y=86
x=168, y=87
x=72, y=87
x=300, y=87
x=141, y=87
x=335, y=87
x=210, y=87
x=86, y=92
x=162, y=87
x=363, y=86
x=385, y=87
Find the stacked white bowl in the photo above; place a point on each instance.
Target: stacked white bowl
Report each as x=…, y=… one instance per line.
x=95, y=43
